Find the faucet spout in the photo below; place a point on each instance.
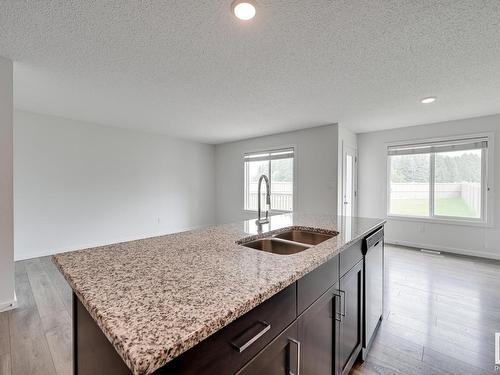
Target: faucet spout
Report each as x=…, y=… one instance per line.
x=265, y=220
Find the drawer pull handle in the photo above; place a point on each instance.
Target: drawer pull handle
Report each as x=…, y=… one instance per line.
x=342, y=301
x=240, y=347
x=341, y=295
x=298, y=356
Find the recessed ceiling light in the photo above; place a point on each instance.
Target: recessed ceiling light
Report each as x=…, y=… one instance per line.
x=244, y=9
x=430, y=99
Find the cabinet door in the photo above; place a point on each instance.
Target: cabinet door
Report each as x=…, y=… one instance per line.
x=350, y=330
x=318, y=328
x=280, y=357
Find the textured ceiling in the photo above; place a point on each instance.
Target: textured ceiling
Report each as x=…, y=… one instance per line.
x=189, y=69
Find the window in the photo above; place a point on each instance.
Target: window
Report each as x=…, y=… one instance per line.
x=442, y=180
x=410, y=185
x=277, y=165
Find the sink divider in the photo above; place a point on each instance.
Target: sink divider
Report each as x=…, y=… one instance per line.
x=277, y=239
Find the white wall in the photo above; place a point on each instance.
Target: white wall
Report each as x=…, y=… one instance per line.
x=316, y=171
x=79, y=184
x=7, y=295
x=469, y=240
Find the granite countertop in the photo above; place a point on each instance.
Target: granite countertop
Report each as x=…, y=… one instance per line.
x=156, y=298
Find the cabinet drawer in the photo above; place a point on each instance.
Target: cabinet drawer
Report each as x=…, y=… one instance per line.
x=280, y=357
x=311, y=286
x=350, y=256
x=230, y=348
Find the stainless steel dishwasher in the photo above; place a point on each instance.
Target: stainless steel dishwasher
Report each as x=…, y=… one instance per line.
x=373, y=260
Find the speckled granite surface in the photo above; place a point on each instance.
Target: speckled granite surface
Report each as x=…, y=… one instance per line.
x=156, y=298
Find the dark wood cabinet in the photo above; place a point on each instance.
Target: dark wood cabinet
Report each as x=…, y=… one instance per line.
x=311, y=286
x=318, y=330
x=351, y=319
x=330, y=330
x=281, y=357
x=349, y=257
x=312, y=327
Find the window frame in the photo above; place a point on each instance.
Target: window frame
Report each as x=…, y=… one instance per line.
x=487, y=188
x=294, y=183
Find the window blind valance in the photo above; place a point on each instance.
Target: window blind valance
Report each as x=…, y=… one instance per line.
x=285, y=153
x=441, y=146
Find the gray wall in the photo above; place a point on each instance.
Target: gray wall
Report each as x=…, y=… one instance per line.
x=79, y=184
x=316, y=169
x=465, y=239
x=6, y=193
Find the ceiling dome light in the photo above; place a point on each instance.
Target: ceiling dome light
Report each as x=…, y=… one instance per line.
x=244, y=9
x=430, y=99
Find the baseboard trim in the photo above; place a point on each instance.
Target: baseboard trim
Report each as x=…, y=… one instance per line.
x=480, y=254
x=9, y=305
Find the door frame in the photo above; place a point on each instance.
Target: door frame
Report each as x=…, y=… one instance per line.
x=347, y=149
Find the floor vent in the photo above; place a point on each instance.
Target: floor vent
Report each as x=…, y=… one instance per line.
x=433, y=252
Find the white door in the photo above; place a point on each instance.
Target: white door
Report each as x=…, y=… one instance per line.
x=349, y=177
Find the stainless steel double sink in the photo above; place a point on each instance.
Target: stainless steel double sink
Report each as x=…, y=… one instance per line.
x=288, y=242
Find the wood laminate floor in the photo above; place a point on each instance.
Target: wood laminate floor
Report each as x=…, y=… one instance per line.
x=441, y=313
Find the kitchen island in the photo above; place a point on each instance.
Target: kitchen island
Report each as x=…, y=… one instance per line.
x=164, y=304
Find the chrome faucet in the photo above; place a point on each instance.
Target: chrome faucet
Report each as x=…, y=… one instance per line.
x=268, y=200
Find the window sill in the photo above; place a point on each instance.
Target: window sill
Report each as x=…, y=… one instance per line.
x=271, y=212
x=444, y=221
